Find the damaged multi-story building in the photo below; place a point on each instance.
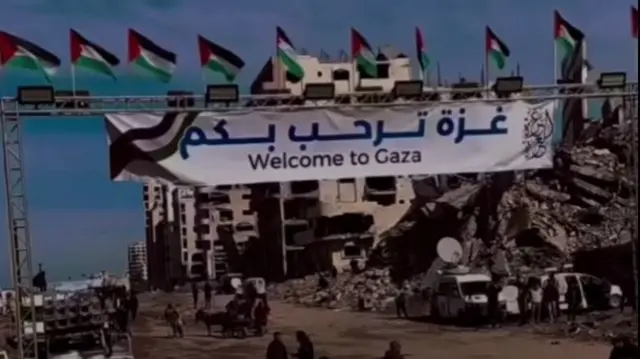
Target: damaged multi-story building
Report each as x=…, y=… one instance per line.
x=310, y=226
x=328, y=223
x=195, y=233
x=289, y=229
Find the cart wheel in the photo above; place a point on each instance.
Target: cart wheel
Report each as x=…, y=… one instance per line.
x=615, y=301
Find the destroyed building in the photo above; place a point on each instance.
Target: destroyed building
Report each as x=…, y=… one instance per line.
x=327, y=223
x=195, y=232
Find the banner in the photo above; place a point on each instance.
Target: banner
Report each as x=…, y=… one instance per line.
x=213, y=148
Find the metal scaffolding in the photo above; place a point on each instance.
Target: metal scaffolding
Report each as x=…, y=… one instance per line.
x=12, y=114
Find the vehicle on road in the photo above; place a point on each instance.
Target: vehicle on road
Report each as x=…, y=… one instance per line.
x=461, y=295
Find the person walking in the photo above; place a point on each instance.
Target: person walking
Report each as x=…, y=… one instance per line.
x=493, y=304
x=536, y=301
x=305, y=346
x=207, y=295
x=277, y=349
x=550, y=297
x=172, y=317
x=194, y=293
x=623, y=348
x=394, y=351
x=573, y=298
x=524, y=299
x=401, y=303
x=133, y=305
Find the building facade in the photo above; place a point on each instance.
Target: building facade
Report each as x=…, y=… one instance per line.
x=280, y=230
x=196, y=233
x=137, y=263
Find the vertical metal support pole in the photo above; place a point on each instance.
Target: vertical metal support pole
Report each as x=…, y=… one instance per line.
x=283, y=229
x=18, y=225
x=631, y=113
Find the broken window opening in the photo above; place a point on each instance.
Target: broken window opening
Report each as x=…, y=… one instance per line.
x=202, y=229
x=245, y=227
x=203, y=245
x=297, y=208
x=225, y=215
x=204, y=213
x=224, y=230
x=351, y=250
x=380, y=184
x=304, y=187
x=291, y=230
x=215, y=198
x=197, y=257
x=348, y=223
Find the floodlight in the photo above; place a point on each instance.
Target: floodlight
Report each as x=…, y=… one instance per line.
x=612, y=80
x=504, y=87
x=66, y=99
x=180, y=99
x=227, y=93
x=411, y=88
x=319, y=91
x=36, y=95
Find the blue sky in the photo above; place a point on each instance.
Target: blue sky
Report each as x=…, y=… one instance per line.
x=81, y=222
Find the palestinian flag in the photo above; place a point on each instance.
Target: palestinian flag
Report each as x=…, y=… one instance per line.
x=218, y=59
x=421, y=53
x=20, y=53
x=90, y=56
x=362, y=54
x=634, y=22
x=567, y=36
x=147, y=55
x=287, y=54
x=496, y=49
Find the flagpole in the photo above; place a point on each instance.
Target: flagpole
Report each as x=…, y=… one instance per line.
x=486, y=59
x=278, y=67
x=555, y=62
x=486, y=69
x=73, y=80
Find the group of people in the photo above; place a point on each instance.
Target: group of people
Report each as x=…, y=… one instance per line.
x=536, y=298
x=207, y=291
x=119, y=305
x=248, y=309
x=278, y=350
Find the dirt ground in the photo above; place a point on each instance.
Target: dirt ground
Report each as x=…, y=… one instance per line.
x=348, y=335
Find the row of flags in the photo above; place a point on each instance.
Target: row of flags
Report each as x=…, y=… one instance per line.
x=160, y=62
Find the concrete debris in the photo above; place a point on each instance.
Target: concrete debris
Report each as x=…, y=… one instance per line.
x=534, y=219
x=506, y=222
x=371, y=290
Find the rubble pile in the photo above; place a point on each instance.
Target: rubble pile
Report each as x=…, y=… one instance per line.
x=371, y=290
x=536, y=219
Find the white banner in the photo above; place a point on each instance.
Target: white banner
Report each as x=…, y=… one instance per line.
x=210, y=148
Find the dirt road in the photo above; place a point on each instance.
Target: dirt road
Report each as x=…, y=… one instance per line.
x=349, y=335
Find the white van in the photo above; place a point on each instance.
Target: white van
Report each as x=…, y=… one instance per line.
x=596, y=293
x=457, y=295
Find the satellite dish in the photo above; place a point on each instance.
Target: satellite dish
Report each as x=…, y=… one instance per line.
x=449, y=250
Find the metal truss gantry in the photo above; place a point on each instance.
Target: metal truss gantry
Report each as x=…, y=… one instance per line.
x=12, y=114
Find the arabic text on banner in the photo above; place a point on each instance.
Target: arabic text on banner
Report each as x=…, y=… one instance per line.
x=209, y=148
